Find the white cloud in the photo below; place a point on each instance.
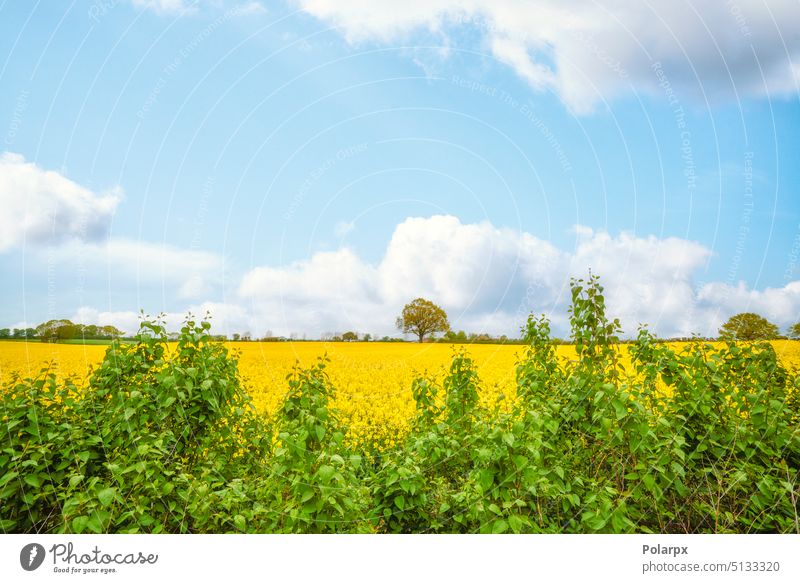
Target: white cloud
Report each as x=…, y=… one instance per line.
x=593, y=50
x=42, y=206
x=472, y=267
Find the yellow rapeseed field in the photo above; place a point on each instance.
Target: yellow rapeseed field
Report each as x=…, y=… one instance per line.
x=372, y=380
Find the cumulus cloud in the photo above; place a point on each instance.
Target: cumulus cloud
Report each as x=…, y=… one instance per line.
x=588, y=51
x=42, y=206
x=472, y=267
x=490, y=278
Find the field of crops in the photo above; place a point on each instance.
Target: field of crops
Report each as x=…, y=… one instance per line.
x=372, y=380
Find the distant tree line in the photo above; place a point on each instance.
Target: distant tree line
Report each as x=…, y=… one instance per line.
x=59, y=330
x=422, y=318
x=17, y=333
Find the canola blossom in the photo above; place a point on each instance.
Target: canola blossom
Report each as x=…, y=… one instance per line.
x=372, y=380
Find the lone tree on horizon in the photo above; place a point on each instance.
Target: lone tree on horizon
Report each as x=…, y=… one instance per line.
x=422, y=318
x=748, y=326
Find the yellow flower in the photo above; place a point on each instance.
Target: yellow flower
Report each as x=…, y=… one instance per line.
x=372, y=380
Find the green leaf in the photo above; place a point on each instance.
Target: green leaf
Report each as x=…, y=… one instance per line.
x=8, y=477
x=33, y=480
x=79, y=524
x=499, y=526
x=240, y=522
x=95, y=524
x=326, y=473
x=106, y=496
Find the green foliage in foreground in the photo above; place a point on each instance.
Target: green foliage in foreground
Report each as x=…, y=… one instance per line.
x=166, y=440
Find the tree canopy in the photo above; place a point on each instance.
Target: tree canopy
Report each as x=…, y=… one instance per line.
x=422, y=318
x=748, y=326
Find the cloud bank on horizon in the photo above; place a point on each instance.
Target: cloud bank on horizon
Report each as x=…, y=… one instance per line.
x=488, y=279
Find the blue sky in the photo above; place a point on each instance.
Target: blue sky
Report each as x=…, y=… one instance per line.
x=307, y=167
